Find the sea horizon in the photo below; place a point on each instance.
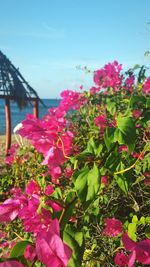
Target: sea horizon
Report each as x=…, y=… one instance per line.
x=18, y=115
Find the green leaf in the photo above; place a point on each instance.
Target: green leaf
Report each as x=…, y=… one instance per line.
x=135, y=219
x=132, y=231
x=76, y=243
x=122, y=182
x=87, y=184
x=148, y=102
x=142, y=220
x=93, y=183
x=147, y=231
x=109, y=137
x=111, y=106
x=125, y=132
x=91, y=146
x=70, y=204
x=19, y=248
x=112, y=161
x=136, y=99
x=80, y=182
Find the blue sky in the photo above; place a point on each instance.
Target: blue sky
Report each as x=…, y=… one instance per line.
x=48, y=39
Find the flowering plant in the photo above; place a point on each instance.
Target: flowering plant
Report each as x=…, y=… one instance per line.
x=87, y=202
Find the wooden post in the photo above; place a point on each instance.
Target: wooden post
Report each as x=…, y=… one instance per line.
x=35, y=108
x=8, y=124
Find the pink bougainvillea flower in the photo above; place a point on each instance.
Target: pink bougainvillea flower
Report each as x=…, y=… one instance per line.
x=33, y=188
x=123, y=148
x=104, y=180
x=30, y=253
x=147, y=178
x=129, y=83
x=50, y=249
x=100, y=120
x=146, y=86
x=34, y=219
x=136, y=113
x=121, y=259
x=49, y=190
x=113, y=227
x=68, y=172
x=109, y=76
x=55, y=172
x=11, y=263
x=11, y=154
x=9, y=210
x=54, y=157
x=94, y=90
x=56, y=207
x=137, y=155
x=140, y=251
x=2, y=234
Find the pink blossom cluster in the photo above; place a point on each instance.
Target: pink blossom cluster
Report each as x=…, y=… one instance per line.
x=36, y=214
x=146, y=86
x=109, y=76
x=51, y=135
x=32, y=207
x=11, y=154
x=113, y=227
x=140, y=251
x=129, y=83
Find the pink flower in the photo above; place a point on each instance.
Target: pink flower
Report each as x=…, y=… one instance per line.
x=34, y=218
x=68, y=172
x=146, y=86
x=147, y=180
x=136, y=113
x=55, y=172
x=50, y=249
x=11, y=154
x=121, y=259
x=94, y=90
x=49, y=190
x=30, y=253
x=32, y=188
x=109, y=76
x=137, y=155
x=129, y=83
x=140, y=251
x=9, y=210
x=56, y=207
x=2, y=234
x=101, y=122
x=123, y=148
x=54, y=157
x=138, y=125
x=11, y=263
x=104, y=180
x=113, y=227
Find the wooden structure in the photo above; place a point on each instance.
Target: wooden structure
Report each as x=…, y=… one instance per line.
x=14, y=87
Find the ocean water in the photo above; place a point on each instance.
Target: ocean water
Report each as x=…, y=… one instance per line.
x=17, y=116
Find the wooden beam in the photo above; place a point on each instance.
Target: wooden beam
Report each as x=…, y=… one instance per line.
x=36, y=108
x=8, y=124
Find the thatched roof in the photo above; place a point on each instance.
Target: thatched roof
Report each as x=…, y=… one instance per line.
x=13, y=84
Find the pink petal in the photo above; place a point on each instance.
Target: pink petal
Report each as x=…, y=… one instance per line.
x=129, y=244
x=55, y=227
x=11, y=264
x=132, y=259
x=143, y=251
